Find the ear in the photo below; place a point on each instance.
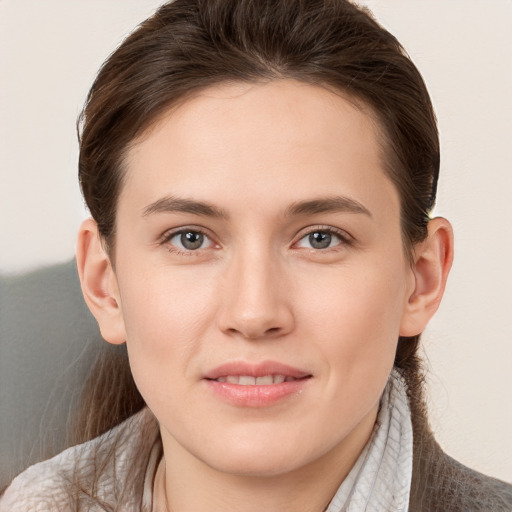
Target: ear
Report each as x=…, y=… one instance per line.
x=432, y=262
x=99, y=283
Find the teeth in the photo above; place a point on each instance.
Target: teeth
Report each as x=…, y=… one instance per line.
x=248, y=380
x=245, y=380
x=264, y=381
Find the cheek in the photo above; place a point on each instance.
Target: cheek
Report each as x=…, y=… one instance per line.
x=161, y=302
x=355, y=312
x=355, y=320
x=166, y=314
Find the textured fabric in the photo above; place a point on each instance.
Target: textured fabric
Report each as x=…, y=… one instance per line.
x=381, y=477
x=48, y=486
x=441, y=484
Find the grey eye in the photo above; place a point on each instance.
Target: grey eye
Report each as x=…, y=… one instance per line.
x=191, y=240
x=188, y=240
x=320, y=239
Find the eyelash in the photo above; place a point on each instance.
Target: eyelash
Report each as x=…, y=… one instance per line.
x=345, y=239
x=169, y=235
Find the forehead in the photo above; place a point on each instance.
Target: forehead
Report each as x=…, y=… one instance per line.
x=275, y=142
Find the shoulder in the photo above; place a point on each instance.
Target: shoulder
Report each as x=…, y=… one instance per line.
x=442, y=483
x=475, y=491
x=60, y=483
x=42, y=487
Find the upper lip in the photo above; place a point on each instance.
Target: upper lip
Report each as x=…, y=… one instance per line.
x=260, y=369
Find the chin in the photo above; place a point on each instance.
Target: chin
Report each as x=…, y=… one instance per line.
x=257, y=467
x=258, y=459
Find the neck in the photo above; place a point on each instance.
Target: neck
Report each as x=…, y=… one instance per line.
x=184, y=483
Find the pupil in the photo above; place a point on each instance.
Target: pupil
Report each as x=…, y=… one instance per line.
x=320, y=240
x=192, y=240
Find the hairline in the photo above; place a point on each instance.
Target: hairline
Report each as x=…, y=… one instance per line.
x=388, y=158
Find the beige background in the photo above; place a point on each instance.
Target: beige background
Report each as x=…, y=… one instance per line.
x=50, y=51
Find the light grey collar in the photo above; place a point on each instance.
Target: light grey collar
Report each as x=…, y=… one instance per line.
x=380, y=480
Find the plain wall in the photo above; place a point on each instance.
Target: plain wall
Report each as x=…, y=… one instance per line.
x=50, y=51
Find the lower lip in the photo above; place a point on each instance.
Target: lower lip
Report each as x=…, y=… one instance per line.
x=256, y=396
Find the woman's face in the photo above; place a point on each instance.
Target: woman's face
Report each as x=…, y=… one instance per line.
x=258, y=240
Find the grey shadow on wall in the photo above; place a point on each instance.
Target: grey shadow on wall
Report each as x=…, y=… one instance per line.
x=48, y=343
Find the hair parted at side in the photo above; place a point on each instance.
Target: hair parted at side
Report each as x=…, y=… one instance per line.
x=189, y=45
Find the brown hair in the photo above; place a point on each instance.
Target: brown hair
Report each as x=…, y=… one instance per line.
x=188, y=45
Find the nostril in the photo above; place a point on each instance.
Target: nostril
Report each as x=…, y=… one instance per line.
x=253, y=323
x=254, y=334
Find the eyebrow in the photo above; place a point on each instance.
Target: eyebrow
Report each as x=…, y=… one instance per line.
x=171, y=204
x=327, y=205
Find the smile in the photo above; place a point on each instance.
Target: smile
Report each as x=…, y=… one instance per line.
x=249, y=380
x=256, y=385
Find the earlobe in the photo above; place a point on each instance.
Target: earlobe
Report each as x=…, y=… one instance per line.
x=432, y=262
x=99, y=283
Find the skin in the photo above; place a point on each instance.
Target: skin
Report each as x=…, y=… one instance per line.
x=259, y=288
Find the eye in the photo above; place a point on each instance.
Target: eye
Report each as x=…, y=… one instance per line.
x=322, y=239
x=188, y=240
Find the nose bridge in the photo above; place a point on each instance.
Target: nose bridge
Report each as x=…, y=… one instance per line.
x=256, y=304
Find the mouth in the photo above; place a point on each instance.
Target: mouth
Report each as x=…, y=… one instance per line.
x=249, y=380
x=264, y=373
x=256, y=385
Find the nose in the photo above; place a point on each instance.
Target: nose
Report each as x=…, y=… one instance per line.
x=257, y=302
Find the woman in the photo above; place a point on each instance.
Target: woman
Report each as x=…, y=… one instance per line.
x=260, y=176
